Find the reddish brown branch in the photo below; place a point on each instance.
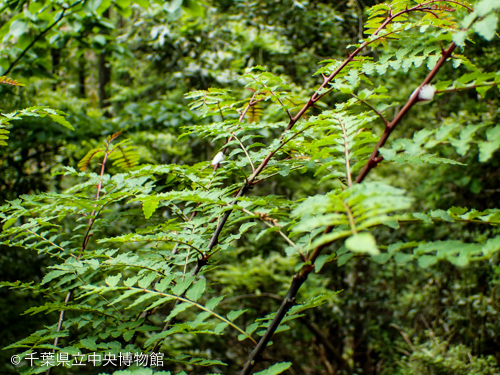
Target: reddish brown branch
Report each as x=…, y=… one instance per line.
x=375, y=158
x=308, y=267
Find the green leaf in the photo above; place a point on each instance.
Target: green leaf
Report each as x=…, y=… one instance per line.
x=177, y=310
x=275, y=369
x=52, y=275
x=61, y=121
x=213, y=302
x=362, y=243
x=18, y=27
x=382, y=258
x=147, y=280
x=24, y=41
x=491, y=246
x=131, y=281
x=9, y=223
x=126, y=294
x=141, y=299
x=149, y=206
x=487, y=148
x=246, y=226
x=220, y=327
x=251, y=328
x=426, y=261
x=232, y=315
x=403, y=258
x=112, y=281
x=193, y=7
x=100, y=40
x=459, y=38
x=344, y=258
x=422, y=216
x=164, y=283
x=181, y=287
x=91, y=6
x=322, y=259
x=89, y=343
x=173, y=5
x=487, y=26
x=196, y=291
x=142, y=3
x=34, y=7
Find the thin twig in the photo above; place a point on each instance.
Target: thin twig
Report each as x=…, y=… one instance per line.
x=244, y=150
x=308, y=267
x=468, y=87
x=38, y=37
x=279, y=100
x=268, y=224
x=386, y=122
x=375, y=158
x=50, y=242
x=185, y=264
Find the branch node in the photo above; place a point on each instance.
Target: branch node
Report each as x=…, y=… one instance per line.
x=443, y=51
x=325, y=78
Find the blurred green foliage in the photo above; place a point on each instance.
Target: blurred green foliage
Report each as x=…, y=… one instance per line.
x=415, y=292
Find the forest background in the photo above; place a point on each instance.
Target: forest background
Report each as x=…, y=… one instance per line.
x=353, y=221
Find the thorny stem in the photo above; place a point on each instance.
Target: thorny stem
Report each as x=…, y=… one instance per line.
x=375, y=158
x=300, y=277
x=308, y=267
x=286, y=304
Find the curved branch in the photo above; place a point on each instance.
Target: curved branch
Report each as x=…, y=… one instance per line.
x=375, y=158
x=378, y=113
x=308, y=267
x=39, y=36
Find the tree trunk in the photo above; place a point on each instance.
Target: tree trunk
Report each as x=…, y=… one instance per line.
x=56, y=59
x=361, y=350
x=81, y=75
x=104, y=73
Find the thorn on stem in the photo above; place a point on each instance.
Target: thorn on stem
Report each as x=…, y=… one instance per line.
x=442, y=49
